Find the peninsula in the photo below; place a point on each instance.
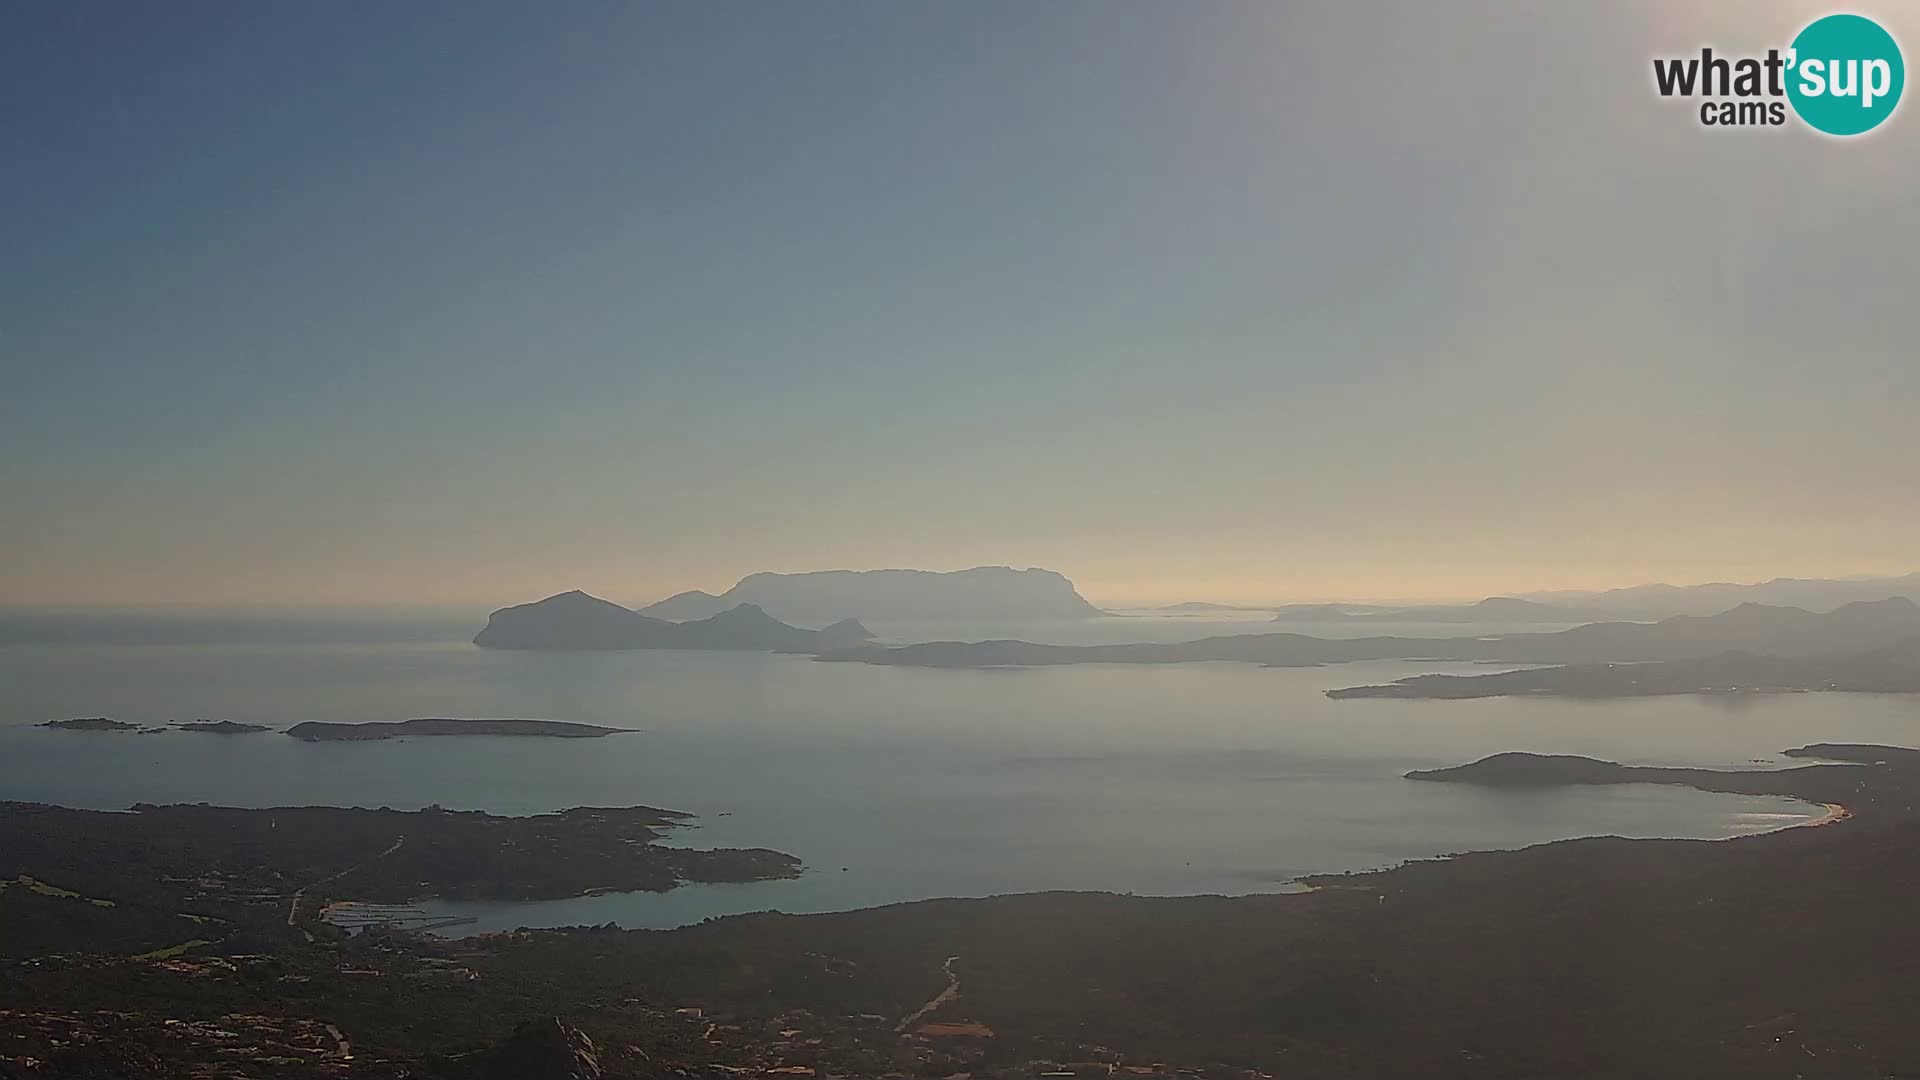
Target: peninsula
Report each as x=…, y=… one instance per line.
x=225, y=863
x=1593, y=958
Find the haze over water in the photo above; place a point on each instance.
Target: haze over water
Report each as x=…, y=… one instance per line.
x=897, y=784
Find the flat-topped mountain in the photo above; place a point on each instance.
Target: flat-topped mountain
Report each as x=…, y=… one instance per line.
x=574, y=621
x=982, y=594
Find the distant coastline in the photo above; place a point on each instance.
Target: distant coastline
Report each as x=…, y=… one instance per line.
x=1891, y=670
x=1874, y=644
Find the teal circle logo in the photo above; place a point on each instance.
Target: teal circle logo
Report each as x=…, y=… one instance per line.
x=1846, y=75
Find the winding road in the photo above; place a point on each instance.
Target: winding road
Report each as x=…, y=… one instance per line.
x=293, y=909
x=952, y=991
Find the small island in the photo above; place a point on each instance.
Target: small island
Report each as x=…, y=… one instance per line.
x=375, y=730
x=90, y=723
x=1835, y=782
x=1521, y=769
x=221, y=727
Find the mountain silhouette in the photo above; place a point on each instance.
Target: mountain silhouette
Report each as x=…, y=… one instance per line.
x=575, y=621
x=1659, y=600
x=982, y=594
x=1754, y=628
x=1494, y=609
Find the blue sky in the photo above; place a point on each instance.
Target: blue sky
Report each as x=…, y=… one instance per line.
x=463, y=303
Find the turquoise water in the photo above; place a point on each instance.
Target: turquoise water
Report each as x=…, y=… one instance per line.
x=895, y=784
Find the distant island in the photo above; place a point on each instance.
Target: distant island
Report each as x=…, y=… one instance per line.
x=982, y=594
x=1203, y=606
x=1494, y=609
x=1521, y=769
x=575, y=621
x=1891, y=670
x=90, y=723
x=1637, y=602
x=221, y=727
x=1754, y=628
x=1827, y=783
x=322, y=731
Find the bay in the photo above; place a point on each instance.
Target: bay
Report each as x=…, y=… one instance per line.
x=897, y=784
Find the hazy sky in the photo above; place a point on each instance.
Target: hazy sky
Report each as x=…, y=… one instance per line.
x=468, y=302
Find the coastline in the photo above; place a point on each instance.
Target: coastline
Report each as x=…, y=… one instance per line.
x=1835, y=813
x=1489, y=949
x=654, y=911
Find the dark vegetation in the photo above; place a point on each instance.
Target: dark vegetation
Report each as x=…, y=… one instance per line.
x=156, y=876
x=1787, y=954
x=91, y=723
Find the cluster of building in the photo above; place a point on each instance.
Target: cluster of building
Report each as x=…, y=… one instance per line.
x=234, y=1047
x=940, y=1043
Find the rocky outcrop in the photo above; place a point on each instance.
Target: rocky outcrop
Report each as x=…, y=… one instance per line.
x=537, y=1050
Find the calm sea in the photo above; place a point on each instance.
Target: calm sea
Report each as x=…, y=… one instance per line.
x=892, y=784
